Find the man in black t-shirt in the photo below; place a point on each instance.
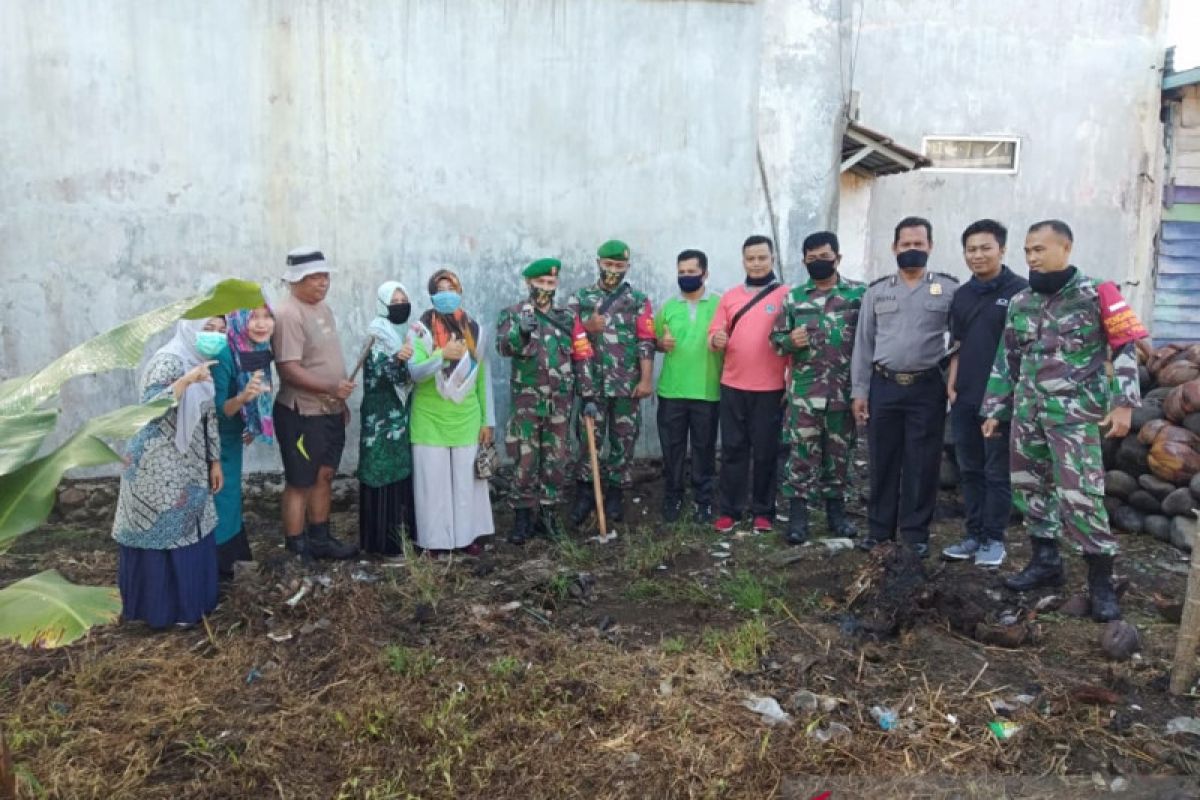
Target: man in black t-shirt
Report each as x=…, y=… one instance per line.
x=977, y=316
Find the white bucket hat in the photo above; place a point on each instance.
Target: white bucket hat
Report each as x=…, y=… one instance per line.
x=304, y=261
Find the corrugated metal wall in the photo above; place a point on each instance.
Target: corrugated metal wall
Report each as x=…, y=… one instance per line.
x=1177, y=290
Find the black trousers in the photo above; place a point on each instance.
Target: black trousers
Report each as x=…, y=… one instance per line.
x=681, y=422
x=904, y=437
x=750, y=426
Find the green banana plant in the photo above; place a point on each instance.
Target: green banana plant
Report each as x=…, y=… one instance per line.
x=39, y=610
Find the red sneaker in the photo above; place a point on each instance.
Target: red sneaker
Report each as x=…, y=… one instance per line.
x=724, y=523
x=763, y=524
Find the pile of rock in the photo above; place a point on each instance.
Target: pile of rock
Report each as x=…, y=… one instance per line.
x=1152, y=483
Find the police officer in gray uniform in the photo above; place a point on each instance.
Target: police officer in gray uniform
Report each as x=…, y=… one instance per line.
x=898, y=391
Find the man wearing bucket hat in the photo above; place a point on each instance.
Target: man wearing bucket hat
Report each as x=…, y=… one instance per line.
x=550, y=354
x=620, y=324
x=310, y=409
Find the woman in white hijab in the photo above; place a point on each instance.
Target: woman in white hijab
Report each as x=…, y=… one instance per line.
x=167, y=566
x=385, y=488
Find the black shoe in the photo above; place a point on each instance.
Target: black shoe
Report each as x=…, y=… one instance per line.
x=797, y=529
x=672, y=508
x=585, y=503
x=520, y=529
x=614, y=505
x=702, y=513
x=867, y=544
x=322, y=544
x=1045, y=567
x=920, y=548
x=1105, y=607
x=548, y=523
x=298, y=546
x=839, y=524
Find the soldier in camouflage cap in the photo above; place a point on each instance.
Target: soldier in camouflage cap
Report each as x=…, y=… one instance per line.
x=816, y=329
x=550, y=355
x=620, y=325
x=1051, y=378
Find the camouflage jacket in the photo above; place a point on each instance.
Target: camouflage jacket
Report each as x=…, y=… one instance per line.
x=549, y=365
x=626, y=339
x=1052, y=361
x=820, y=371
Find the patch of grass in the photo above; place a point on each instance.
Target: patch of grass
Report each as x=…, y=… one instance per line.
x=645, y=549
x=748, y=592
x=426, y=578
x=408, y=662
x=672, y=590
x=559, y=587
x=575, y=554
x=504, y=666
x=740, y=647
x=674, y=645
x=810, y=602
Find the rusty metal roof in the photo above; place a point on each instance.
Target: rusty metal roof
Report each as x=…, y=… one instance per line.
x=872, y=154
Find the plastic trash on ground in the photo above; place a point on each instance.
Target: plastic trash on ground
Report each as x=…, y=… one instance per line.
x=886, y=717
x=768, y=709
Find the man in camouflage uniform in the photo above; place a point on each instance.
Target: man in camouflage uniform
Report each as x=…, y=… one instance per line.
x=550, y=353
x=1052, y=365
x=620, y=325
x=816, y=329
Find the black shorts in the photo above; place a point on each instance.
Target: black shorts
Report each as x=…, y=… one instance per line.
x=307, y=444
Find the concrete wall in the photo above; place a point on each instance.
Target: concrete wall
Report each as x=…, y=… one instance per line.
x=1077, y=81
x=147, y=148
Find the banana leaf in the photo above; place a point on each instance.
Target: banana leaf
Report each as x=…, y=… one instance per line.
x=27, y=495
x=121, y=347
x=47, y=610
x=22, y=435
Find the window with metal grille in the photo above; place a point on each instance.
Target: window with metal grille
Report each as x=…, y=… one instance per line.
x=995, y=154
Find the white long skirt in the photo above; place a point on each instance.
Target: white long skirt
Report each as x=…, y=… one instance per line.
x=452, y=505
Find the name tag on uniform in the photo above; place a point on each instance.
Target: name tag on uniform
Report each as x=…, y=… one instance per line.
x=1003, y=301
x=935, y=288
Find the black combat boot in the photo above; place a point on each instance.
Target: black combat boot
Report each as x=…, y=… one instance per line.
x=672, y=508
x=585, y=503
x=835, y=517
x=548, y=523
x=520, y=529
x=298, y=546
x=1105, y=607
x=1045, y=567
x=614, y=504
x=322, y=544
x=797, y=529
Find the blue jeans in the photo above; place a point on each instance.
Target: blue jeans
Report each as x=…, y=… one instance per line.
x=983, y=473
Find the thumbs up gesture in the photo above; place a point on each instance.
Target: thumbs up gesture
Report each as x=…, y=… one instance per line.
x=454, y=349
x=667, y=342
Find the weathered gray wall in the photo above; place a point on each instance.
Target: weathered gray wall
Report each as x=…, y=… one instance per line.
x=146, y=148
x=1077, y=81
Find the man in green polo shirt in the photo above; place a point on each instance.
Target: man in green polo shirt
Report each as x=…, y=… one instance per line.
x=688, y=388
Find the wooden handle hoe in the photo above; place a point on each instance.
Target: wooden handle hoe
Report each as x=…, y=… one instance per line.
x=1189, y=626
x=362, y=359
x=590, y=426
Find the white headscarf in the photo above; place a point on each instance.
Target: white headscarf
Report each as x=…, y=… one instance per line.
x=388, y=337
x=183, y=346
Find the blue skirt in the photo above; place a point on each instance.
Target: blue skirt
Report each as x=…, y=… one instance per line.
x=165, y=587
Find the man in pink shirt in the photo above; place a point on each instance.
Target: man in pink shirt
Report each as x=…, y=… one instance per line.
x=751, y=387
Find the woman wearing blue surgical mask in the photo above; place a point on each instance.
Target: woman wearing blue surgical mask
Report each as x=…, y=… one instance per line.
x=452, y=416
x=244, y=400
x=167, y=564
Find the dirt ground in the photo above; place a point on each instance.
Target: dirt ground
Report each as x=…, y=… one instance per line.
x=585, y=670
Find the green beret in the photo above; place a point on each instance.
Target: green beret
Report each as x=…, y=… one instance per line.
x=614, y=249
x=542, y=267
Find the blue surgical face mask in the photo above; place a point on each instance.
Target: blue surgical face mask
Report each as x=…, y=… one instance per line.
x=211, y=344
x=446, y=302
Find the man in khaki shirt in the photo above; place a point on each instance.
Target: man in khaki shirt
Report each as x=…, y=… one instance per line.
x=310, y=408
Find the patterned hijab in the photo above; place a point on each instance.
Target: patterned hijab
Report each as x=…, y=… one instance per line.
x=256, y=413
x=443, y=326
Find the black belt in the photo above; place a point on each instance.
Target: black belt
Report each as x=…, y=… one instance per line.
x=904, y=378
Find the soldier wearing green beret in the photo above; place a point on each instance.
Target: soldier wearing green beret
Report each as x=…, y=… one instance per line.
x=620, y=324
x=550, y=352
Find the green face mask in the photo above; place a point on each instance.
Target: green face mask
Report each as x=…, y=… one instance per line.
x=211, y=344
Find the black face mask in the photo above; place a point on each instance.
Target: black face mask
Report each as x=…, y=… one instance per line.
x=821, y=269
x=254, y=360
x=690, y=283
x=398, y=313
x=1049, y=282
x=765, y=280
x=912, y=259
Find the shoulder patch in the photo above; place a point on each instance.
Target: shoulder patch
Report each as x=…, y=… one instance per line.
x=878, y=281
x=947, y=276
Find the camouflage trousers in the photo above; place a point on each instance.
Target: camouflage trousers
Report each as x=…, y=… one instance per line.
x=1058, y=483
x=541, y=454
x=821, y=447
x=619, y=424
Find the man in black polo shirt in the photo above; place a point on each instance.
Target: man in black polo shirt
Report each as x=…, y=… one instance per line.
x=977, y=316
